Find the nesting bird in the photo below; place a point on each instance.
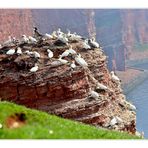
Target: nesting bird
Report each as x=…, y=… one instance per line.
x=114, y=77
x=63, y=61
x=36, y=54
x=50, y=53
x=19, y=51
x=93, y=43
x=24, y=39
x=94, y=94
x=86, y=45
x=101, y=86
x=81, y=61
x=32, y=40
x=10, y=52
x=35, y=68
x=72, y=51
x=115, y=120
x=73, y=65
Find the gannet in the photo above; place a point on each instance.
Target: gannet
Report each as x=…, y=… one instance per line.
x=19, y=51
x=115, y=120
x=114, y=77
x=92, y=43
x=64, y=54
x=36, y=54
x=24, y=39
x=47, y=36
x=10, y=52
x=94, y=94
x=131, y=106
x=36, y=33
x=34, y=69
x=32, y=40
x=72, y=51
x=101, y=86
x=81, y=61
x=50, y=53
x=73, y=65
x=63, y=61
x=85, y=45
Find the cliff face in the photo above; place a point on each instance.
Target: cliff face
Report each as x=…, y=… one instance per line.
x=15, y=22
x=62, y=90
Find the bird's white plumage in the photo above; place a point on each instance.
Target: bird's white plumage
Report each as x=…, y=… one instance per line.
x=94, y=94
x=101, y=86
x=50, y=53
x=24, y=39
x=131, y=106
x=36, y=54
x=10, y=52
x=73, y=65
x=19, y=51
x=114, y=77
x=48, y=36
x=113, y=121
x=85, y=45
x=32, y=39
x=72, y=51
x=63, y=61
x=34, y=69
x=64, y=54
x=94, y=43
x=81, y=61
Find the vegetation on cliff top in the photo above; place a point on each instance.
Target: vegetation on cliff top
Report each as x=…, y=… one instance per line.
x=40, y=125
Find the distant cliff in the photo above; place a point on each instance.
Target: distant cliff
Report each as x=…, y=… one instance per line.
x=15, y=22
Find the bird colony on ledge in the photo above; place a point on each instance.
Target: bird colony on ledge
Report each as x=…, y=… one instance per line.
x=58, y=49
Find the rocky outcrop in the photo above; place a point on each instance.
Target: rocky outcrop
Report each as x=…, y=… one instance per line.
x=64, y=91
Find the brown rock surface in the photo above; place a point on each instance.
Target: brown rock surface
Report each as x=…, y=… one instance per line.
x=64, y=91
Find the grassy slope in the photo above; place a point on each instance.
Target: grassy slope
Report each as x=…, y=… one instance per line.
x=39, y=124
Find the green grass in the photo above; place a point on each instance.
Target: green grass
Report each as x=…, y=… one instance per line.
x=141, y=47
x=39, y=123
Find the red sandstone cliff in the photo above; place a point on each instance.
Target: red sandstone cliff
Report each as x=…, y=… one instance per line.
x=15, y=22
x=63, y=91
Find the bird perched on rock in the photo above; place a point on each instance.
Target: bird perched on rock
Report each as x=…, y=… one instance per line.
x=115, y=120
x=101, y=86
x=114, y=77
x=10, y=52
x=85, y=44
x=81, y=61
x=24, y=39
x=32, y=40
x=72, y=51
x=36, y=34
x=73, y=65
x=19, y=51
x=131, y=106
x=47, y=36
x=93, y=43
x=35, y=68
x=94, y=94
x=50, y=53
x=63, y=61
x=64, y=54
x=61, y=40
x=36, y=54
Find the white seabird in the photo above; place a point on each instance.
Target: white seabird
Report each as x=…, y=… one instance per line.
x=94, y=94
x=72, y=51
x=36, y=54
x=85, y=45
x=92, y=43
x=50, y=53
x=114, y=77
x=34, y=69
x=32, y=40
x=81, y=61
x=24, y=39
x=73, y=65
x=48, y=36
x=131, y=106
x=19, y=51
x=64, y=54
x=10, y=52
x=59, y=32
x=115, y=120
x=63, y=61
x=101, y=86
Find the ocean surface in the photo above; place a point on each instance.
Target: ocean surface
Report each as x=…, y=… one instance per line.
x=139, y=97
